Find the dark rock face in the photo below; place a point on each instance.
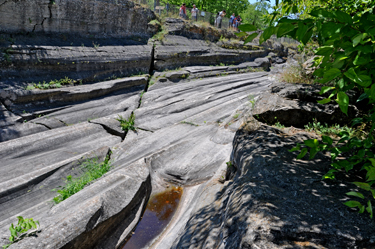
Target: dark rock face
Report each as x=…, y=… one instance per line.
x=275, y=201
x=295, y=105
x=114, y=18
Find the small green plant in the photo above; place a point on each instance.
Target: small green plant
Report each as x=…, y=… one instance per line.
x=236, y=115
x=229, y=164
x=279, y=125
x=19, y=231
x=190, y=123
x=251, y=100
x=125, y=124
x=96, y=45
x=92, y=168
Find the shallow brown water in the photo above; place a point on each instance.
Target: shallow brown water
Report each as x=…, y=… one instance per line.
x=159, y=212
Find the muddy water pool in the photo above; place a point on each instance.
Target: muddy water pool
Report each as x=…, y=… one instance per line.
x=159, y=212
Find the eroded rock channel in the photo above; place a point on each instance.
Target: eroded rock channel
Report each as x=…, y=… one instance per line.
x=189, y=122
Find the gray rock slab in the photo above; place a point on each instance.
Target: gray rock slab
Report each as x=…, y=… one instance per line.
x=275, y=201
x=20, y=130
x=177, y=153
x=8, y=118
x=56, y=108
x=76, y=18
x=198, y=101
x=271, y=108
x=33, y=159
x=178, y=51
x=33, y=63
x=99, y=216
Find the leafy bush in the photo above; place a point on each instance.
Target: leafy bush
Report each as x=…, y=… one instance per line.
x=345, y=33
x=92, y=170
x=20, y=230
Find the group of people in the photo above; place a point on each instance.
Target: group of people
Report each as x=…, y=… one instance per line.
x=194, y=12
x=234, y=20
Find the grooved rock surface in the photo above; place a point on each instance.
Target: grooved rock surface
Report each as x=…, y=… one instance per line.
x=179, y=123
x=115, y=18
x=275, y=201
x=34, y=63
x=50, y=109
x=176, y=51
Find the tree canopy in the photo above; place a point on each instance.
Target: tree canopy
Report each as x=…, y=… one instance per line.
x=214, y=6
x=256, y=14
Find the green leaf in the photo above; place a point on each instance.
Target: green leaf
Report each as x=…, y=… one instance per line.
x=298, y=147
x=343, y=17
x=240, y=34
x=251, y=37
x=353, y=204
x=361, y=59
x=267, y=33
x=313, y=152
x=370, y=174
x=362, y=97
x=306, y=38
x=343, y=101
x=325, y=89
x=362, y=80
x=330, y=75
x=358, y=39
x=324, y=50
x=327, y=140
x=284, y=28
x=330, y=174
x=369, y=208
x=319, y=12
x=330, y=28
x=313, y=143
x=324, y=101
x=363, y=185
x=247, y=27
x=302, y=154
x=357, y=194
x=301, y=31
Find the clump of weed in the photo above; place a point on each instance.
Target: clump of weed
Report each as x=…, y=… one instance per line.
x=126, y=124
x=92, y=168
x=295, y=74
x=21, y=230
x=325, y=129
x=52, y=84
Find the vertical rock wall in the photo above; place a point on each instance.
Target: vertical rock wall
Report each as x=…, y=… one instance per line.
x=99, y=18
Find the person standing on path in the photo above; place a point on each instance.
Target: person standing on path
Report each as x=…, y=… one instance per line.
x=220, y=18
x=231, y=21
x=183, y=11
x=194, y=13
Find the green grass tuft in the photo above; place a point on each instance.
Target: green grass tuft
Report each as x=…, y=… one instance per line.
x=92, y=170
